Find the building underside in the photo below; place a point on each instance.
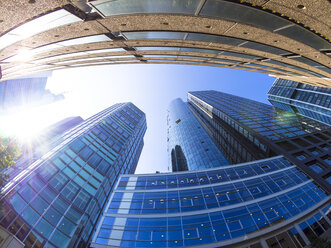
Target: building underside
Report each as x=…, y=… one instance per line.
x=287, y=39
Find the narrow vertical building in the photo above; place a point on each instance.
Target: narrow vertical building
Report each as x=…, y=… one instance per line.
x=189, y=145
x=57, y=200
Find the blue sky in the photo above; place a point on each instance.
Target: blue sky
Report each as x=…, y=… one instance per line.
x=89, y=90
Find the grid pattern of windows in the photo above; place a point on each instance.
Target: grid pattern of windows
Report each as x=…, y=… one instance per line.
x=188, y=141
x=59, y=202
x=310, y=101
x=208, y=177
x=250, y=117
x=202, y=198
x=144, y=210
x=235, y=147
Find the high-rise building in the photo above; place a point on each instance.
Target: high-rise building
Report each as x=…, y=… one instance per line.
x=57, y=200
x=54, y=131
x=259, y=128
x=260, y=204
x=277, y=200
x=189, y=145
x=33, y=150
x=23, y=91
x=311, y=101
x=17, y=94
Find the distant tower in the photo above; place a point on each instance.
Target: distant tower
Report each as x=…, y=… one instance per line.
x=189, y=145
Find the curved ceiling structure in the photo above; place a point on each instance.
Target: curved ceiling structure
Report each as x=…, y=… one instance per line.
x=287, y=39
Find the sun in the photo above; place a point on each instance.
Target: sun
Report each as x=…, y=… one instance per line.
x=23, y=125
x=27, y=123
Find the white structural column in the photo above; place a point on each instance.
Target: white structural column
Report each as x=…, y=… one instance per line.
x=303, y=236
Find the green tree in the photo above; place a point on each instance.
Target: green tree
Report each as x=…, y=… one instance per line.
x=9, y=152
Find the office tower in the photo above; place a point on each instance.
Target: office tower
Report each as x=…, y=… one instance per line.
x=189, y=145
x=20, y=93
x=264, y=203
x=57, y=200
x=275, y=201
x=54, y=131
x=41, y=144
x=301, y=140
x=311, y=101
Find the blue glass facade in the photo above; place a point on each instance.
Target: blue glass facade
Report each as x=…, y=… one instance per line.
x=311, y=101
x=18, y=92
x=57, y=200
x=215, y=207
x=270, y=202
x=246, y=130
x=49, y=138
x=189, y=145
x=252, y=118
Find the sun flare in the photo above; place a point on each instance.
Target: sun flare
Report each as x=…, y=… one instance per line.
x=28, y=123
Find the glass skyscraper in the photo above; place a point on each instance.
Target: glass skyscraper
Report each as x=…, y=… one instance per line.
x=247, y=130
x=189, y=145
x=17, y=92
x=265, y=203
x=41, y=144
x=307, y=100
x=270, y=198
x=57, y=200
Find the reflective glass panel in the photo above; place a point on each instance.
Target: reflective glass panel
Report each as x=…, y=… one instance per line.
x=38, y=25
x=120, y=7
x=199, y=50
x=242, y=14
x=305, y=36
x=154, y=35
x=214, y=38
x=157, y=48
x=84, y=40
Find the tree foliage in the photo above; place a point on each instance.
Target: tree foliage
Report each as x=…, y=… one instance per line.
x=9, y=151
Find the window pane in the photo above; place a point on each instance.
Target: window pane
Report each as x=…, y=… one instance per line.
x=60, y=239
x=39, y=204
x=30, y=216
x=154, y=35
x=67, y=226
x=242, y=14
x=44, y=228
x=120, y=7
x=215, y=38
x=38, y=25
x=52, y=216
x=17, y=202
